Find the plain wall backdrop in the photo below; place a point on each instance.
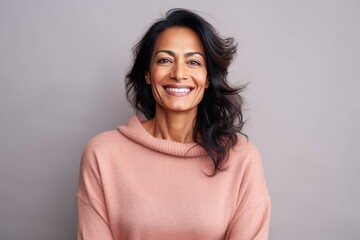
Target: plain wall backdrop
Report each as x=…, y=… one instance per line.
x=62, y=68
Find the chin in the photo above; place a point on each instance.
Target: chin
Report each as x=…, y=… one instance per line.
x=182, y=109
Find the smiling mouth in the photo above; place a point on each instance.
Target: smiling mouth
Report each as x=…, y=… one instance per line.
x=178, y=89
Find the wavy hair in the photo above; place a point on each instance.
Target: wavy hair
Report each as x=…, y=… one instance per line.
x=219, y=115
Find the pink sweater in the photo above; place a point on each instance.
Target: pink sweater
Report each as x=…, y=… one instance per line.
x=135, y=186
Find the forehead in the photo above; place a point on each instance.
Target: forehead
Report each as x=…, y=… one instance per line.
x=181, y=38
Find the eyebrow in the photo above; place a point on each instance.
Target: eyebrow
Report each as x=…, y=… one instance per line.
x=171, y=53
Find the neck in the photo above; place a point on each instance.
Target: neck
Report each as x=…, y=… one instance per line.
x=174, y=126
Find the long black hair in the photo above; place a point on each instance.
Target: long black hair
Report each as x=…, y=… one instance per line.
x=219, y=116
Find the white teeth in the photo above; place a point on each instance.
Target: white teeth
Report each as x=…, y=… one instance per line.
x=178, y=90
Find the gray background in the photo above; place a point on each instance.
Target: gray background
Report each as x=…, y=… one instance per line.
x=62, y=66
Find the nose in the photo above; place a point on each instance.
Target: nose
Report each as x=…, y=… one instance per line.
x=179, y=72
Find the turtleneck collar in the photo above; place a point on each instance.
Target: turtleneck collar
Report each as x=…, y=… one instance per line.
x=137, y=133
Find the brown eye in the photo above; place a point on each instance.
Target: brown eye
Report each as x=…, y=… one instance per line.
x=163, y=61
x=194, y=63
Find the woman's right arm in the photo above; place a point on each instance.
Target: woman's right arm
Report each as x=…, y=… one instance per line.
x=93, y=222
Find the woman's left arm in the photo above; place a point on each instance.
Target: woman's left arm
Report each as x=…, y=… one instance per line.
x=252, y=216
x=252, y=223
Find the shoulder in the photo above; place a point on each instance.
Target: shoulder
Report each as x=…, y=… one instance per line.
x=245, y=157
x=246, y=164
x=107, y=145
x=245, y=148
x=102, y=150
x=115, y=137
x=103, y=140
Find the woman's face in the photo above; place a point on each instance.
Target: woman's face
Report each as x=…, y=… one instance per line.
x=178, y=74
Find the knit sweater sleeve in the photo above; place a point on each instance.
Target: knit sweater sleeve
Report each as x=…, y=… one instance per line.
x=252, y=216
x=252, y=223
x=93, y=223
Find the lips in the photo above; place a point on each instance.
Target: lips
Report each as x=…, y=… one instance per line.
x=181, y=90
x=178, y=90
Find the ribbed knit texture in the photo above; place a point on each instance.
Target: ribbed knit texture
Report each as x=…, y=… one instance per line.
x=134, y=186
x=137, y=133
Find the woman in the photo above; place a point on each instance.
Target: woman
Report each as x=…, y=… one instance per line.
x=180, y=168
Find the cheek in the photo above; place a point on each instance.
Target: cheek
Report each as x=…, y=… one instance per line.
x=202, y=79
x=157, y=74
